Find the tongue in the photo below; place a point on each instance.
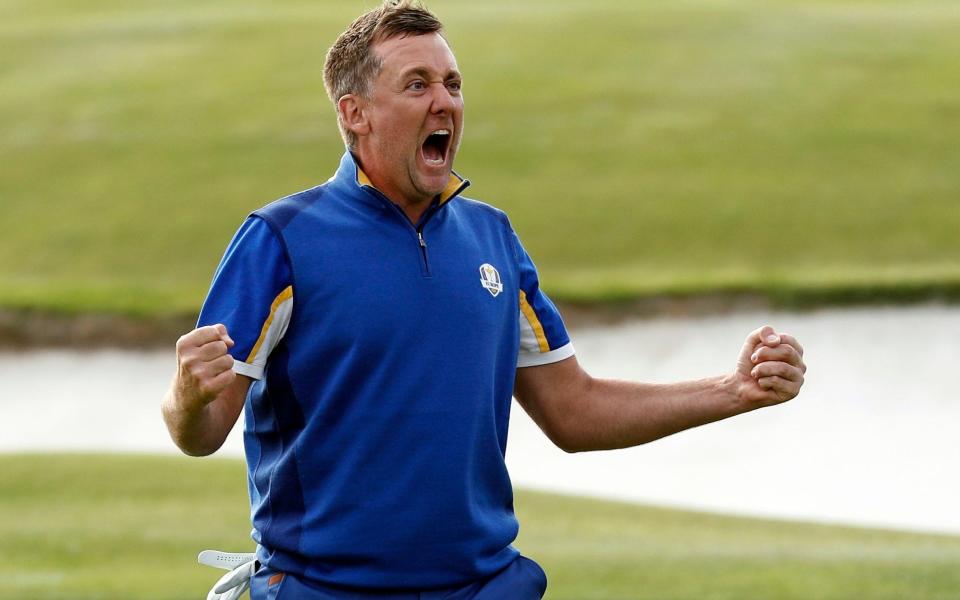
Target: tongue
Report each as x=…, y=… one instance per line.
x=431, y=150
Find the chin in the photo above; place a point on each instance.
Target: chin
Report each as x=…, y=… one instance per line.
x=433, y=184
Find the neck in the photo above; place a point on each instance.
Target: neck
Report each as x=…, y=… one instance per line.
x=413, y=206
x=414, y=211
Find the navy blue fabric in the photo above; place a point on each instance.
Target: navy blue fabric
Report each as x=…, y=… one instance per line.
x=376, y=439
x=275, y=397
x=522, y=579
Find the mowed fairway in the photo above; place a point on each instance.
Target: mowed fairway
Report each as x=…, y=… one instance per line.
x=792, y=147
x=122, y=527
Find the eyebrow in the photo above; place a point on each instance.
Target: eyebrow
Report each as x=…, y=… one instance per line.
x=423, y=72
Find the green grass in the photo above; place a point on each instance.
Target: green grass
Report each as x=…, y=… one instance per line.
x=798, y=149
x=120, y=527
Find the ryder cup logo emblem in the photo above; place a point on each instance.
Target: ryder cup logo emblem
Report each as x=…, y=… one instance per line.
x=490, y=279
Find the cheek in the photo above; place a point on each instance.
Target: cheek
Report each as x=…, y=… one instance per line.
x=399, y=133
x=389, y=122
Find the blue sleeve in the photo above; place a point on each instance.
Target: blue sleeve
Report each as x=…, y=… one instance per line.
x=543, y=336
x=252, y=295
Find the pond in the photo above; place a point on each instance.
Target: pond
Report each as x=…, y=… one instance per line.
x=871, y=440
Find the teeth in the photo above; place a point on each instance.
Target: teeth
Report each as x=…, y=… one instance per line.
x=441, y=132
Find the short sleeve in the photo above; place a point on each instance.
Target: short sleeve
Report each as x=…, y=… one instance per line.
x=252, y=295
x=543, y=336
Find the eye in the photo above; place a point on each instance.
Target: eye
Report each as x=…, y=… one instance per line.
x=454, y=85
x=417, y=85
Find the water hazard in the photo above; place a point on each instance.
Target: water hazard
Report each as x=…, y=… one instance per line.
x=871, y=440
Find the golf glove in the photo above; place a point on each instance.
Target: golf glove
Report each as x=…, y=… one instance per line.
x=240, y=569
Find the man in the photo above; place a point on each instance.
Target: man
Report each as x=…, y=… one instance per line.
x=374, y=328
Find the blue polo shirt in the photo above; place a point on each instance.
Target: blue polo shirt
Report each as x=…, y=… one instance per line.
x=383, y=354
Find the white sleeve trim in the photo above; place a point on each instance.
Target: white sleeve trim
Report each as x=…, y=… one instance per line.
x=275, y=328
x=275, y=332
x=528, y=337
x=251, y=371
x=535, y=359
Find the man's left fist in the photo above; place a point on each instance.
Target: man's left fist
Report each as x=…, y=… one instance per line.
x=770, y=368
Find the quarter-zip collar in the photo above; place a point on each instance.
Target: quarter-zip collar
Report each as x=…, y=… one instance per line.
x=351, y=175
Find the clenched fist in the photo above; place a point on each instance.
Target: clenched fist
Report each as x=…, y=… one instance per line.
x=204, y=368
x=770, y=368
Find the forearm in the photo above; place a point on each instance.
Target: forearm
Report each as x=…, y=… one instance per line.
x=578, y=412
x=206, y=396
x=196, y=431
x=610, y=414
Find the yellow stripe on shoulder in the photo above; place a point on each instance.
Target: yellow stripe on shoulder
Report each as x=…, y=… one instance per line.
x=282, y=297
x=531, y=316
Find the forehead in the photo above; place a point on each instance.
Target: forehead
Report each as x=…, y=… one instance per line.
x=402, y=54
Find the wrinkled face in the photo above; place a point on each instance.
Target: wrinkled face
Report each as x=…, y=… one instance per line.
x=415, y=114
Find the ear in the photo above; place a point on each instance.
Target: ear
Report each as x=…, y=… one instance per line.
x=353, y=113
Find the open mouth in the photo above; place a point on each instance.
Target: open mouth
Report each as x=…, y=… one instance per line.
x=435, y=147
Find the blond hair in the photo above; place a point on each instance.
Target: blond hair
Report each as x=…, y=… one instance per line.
x=351, y=65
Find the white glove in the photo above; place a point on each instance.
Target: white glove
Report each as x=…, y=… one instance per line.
x=240, y=565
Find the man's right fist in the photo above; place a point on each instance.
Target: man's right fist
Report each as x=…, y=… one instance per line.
x=204, y=369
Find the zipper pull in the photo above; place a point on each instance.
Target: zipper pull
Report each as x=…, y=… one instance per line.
x=423, y=243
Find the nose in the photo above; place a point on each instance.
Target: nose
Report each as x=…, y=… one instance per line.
x=442, y=101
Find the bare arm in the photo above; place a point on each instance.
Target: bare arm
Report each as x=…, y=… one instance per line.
x=205, y=397
x=579, y=412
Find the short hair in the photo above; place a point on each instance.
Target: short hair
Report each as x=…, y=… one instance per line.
x=351, y=65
